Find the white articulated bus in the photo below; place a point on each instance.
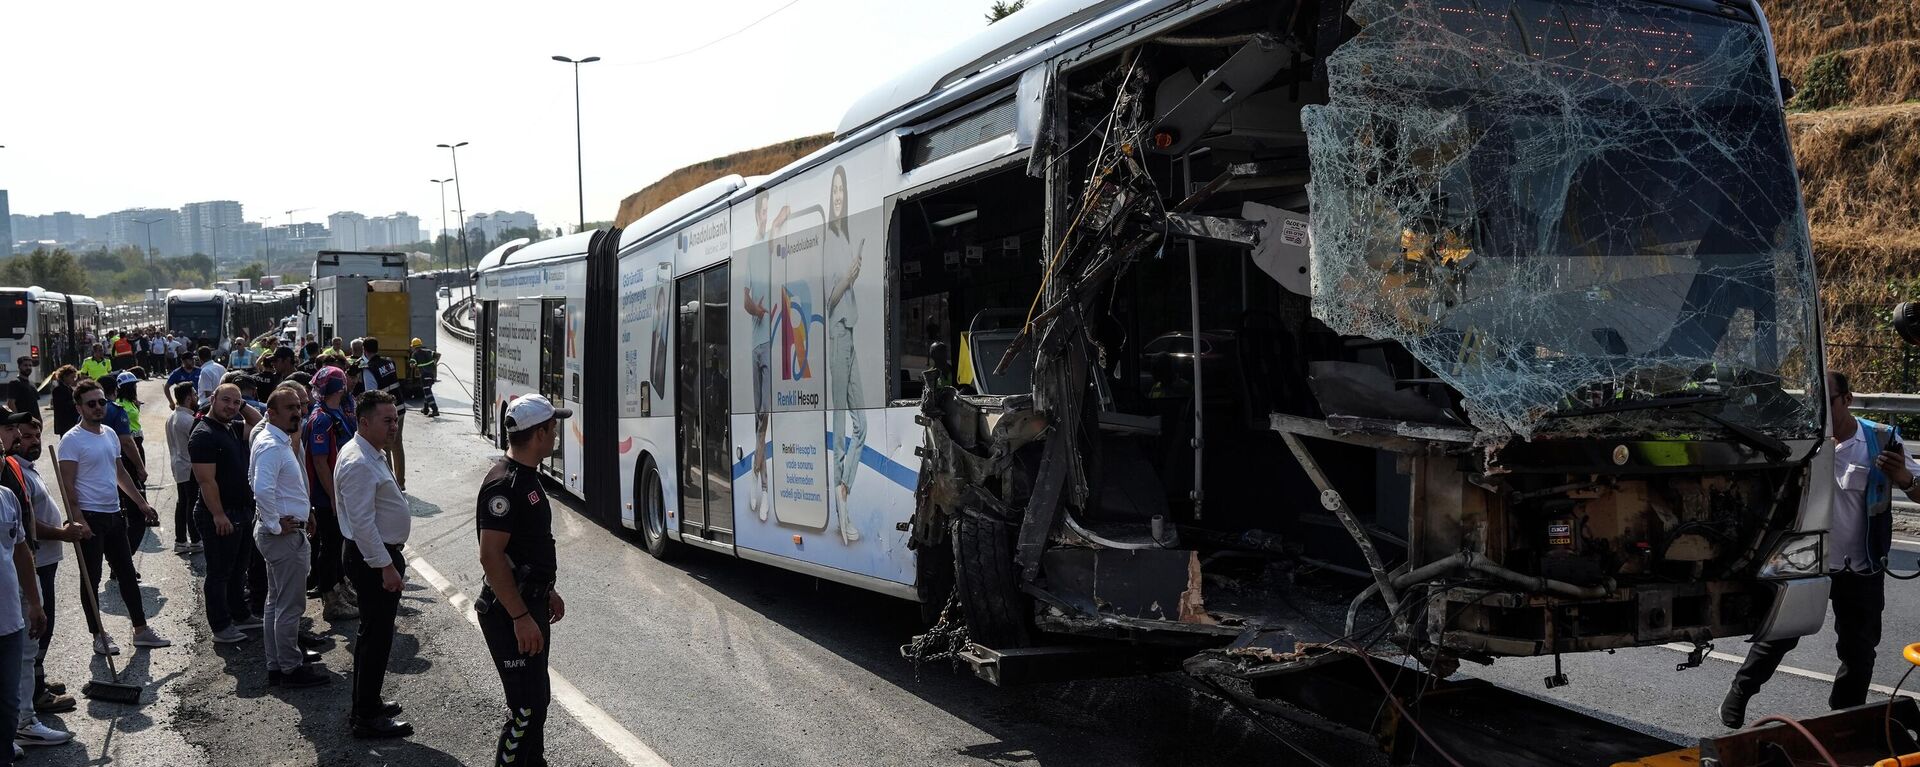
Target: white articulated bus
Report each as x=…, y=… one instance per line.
x=49, y=326
x=1187, y=321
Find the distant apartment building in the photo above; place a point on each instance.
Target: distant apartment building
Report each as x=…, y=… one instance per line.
x=297, y=239
x=6, y=224
x=490, y=225
x=156, y=228
x=349, y=231
x=212, y=228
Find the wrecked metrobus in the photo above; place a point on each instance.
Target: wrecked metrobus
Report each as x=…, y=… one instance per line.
x=1253, y=334
x=1456, y=329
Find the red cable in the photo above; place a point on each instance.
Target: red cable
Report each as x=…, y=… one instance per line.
x=1821, y=749
x=1416, y=723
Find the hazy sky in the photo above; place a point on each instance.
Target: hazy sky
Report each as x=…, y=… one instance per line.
x=338, y=105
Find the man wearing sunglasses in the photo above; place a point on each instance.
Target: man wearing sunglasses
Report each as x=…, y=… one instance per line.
x=90, y=473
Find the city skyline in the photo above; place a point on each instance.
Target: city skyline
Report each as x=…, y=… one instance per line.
x=642, y=113
x=219, y=229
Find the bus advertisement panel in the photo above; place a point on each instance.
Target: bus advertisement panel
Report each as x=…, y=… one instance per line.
x=814, y=451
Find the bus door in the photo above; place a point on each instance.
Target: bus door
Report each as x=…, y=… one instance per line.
x=483, y=360
x=701, y=426
x=553, y=363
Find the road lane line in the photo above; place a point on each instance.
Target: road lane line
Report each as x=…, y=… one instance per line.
x=628, y=746
x=1907, y=542
x=1824, y=677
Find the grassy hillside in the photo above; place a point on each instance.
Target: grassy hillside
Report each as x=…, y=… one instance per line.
x=1856, y=139
x=752, y=162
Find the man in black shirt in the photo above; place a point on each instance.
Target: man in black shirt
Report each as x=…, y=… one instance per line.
x=519, y=602
x=224, y=513
x=22, y=395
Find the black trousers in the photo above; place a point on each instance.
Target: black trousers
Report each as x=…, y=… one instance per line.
x=46, y=573
x=524, y=736
x=1857, y=601
x=184, y=530
x=227, y=559
x=327, y=543
x=374, y=645
x=109, y=542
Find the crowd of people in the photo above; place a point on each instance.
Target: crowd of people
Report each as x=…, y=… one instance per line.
x=288, y=474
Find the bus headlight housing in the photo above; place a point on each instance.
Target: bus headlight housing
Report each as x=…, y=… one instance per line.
x=1796, y=556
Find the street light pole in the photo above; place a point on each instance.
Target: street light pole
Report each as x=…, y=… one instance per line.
x=445, y=251
x=460, y=205
x=216, y=245
x=148, y=223
x=579, y=158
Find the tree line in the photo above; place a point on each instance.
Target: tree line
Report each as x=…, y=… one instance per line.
x=123, y=271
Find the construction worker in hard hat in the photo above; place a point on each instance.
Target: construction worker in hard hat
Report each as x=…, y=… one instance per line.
x=425, y=364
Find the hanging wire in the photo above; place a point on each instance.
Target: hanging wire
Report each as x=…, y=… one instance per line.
x=709, y=43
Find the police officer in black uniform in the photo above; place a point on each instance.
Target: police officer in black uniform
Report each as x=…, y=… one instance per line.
x=519, y=603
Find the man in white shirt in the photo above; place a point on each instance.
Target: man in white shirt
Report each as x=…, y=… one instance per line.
x=280, y=522
x=90, y=474
x=21, y=618
x=375, y=522
x=211, y=375
x=1869, y=465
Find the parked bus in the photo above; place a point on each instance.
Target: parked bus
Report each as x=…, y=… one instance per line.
x=202, y=315
x=48, y=326
x=1202, y=324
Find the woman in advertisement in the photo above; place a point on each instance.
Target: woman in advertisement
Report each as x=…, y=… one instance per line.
x=843, y=258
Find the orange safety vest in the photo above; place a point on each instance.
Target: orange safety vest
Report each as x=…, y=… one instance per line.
x=122, y=346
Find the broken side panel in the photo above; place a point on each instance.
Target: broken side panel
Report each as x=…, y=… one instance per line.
x=1566, y=205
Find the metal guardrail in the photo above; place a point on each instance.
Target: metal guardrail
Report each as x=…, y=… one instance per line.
x=452, y=318
x=1900, y=404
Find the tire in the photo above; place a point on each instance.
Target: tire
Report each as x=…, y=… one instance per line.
x=651, y=511
x=998, y=613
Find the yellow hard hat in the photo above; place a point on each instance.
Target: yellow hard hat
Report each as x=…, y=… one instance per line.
x=416, y=343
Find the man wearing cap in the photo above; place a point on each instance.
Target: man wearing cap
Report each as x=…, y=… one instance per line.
x=519, y=602
x=279, y=364
x=376, y=522
x=426, y=364
x=328, y=429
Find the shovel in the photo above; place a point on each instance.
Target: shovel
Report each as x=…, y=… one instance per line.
x=112, y=691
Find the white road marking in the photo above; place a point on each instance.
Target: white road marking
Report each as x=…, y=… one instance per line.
x=596, y=719
x=1906, y=542
x=1731, y=658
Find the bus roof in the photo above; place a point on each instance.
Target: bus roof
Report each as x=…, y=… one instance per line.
x=1037, y=22
x=196, y=295
x=498, y=255
x=680, y=207
x=542, y=251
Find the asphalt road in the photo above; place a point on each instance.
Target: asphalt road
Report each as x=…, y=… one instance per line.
x=712, y=661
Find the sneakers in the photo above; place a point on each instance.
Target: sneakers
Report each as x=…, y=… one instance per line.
x=145, y=636
x=351, y=593
x=249, y=623
x=33, y=733
x=230, y=635
x=196, y=547
x=103, y=645
x=54, y=703
x=337, y=608
x=182, y=547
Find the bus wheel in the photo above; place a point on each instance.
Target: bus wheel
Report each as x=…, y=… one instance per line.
x=652, y=504
x=998, y=613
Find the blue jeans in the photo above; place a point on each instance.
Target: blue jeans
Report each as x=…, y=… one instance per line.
x=12, y=645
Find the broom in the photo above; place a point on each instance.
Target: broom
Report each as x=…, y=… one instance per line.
x=112, y=691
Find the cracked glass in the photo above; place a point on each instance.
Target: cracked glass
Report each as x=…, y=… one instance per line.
x=1560, y=207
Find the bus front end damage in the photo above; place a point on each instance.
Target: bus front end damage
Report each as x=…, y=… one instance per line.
x=1544, y=380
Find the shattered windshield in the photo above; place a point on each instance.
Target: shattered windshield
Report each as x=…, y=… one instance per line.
x=1560, y=206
